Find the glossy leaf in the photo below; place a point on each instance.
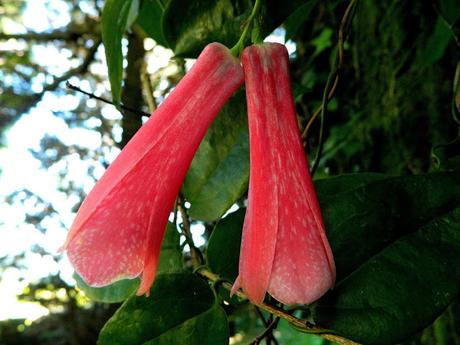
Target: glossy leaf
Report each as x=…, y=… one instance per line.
x=114, y=24
x=226, y=234
x=397, y=247
x=218, y=175
x=181, y=307
x=217, y=20
x=150, y=20
x=362, y=220
x=400, y=290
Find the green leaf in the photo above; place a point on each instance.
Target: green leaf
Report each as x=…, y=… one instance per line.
x=298, y=18
x=170, y=261
x=181, y=308
x=114, y=23
x=202, y=22
x=218, y=175
x=396, y=242
x=450, y=9
x=211, y=327
x=114, y=293
x=400, y=290
x=437, y=43
x=363, y=220
x=288, y=335
x=206, y=21
x=150, y=20
x=345, y=183
x=224, y=245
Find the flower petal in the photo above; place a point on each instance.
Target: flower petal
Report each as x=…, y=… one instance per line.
x=302, y=263
x=119, y=228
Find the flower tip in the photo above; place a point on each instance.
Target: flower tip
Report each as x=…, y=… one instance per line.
x=235, y=287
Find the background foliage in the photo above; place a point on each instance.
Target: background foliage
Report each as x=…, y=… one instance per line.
x=388, y=178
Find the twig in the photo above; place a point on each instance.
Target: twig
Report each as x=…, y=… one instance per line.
x=301, y=325
x=58, y=35
x=92, y=95
x=266, y=324
x=321, y=129
x=194, y=251
x=344, y=24
x=267, y=332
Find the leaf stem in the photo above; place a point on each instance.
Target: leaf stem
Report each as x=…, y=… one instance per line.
x=239, y=46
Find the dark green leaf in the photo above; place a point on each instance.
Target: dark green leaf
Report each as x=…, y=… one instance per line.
x=208, y=328
x=450, y=9
x=436, y=44
x=203, y=22
x=181, y=306
x=361, y=221
x=114, y=24
x=402, y=289
x=218, y=175
x=396, y=242
x=150, y=20
x=114, y=293
x=344, y=183
x=224, y=245
x=297, y=18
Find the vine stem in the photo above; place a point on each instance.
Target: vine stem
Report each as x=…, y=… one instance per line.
x=186, y=230
x=297, y=323
x=344, y=24
x=239, y=46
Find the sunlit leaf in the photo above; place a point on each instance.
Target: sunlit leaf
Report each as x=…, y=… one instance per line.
x=114, y=24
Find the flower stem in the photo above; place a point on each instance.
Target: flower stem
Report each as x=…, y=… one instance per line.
x=239, y=46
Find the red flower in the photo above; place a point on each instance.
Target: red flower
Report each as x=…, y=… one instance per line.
x=284, y=250
x=119, y=227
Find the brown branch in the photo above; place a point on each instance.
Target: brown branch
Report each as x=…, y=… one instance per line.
x=131, y=94
x=58, y=35
x=301, y=325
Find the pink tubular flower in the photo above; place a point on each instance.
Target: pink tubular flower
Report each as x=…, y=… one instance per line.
x=118, y=230
x=284, y=249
